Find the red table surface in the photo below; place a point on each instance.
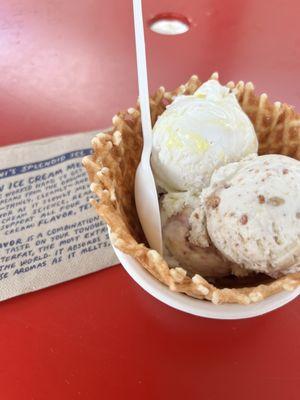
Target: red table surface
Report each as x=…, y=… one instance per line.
x=68, y=66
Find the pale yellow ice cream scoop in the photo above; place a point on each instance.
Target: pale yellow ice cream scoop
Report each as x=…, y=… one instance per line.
x=252, y=211
x=197, y=134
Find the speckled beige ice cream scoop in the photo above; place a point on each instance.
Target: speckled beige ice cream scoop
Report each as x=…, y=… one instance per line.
x=252, y=211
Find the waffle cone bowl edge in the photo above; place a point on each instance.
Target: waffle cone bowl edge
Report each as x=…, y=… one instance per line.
x=111, y=170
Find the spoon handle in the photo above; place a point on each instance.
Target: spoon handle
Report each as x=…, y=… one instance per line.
x=142, y=78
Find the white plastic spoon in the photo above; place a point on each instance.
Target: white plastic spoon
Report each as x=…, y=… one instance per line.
x=145, y=190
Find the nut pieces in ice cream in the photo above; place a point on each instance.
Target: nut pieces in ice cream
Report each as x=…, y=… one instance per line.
x=252, y=210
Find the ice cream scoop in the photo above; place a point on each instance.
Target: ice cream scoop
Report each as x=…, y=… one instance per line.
x=185, y=238
x=252, y=211
x=198, y=133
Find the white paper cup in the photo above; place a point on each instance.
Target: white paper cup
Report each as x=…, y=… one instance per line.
x=201, y=308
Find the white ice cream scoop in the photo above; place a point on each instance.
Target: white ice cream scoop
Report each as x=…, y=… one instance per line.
x=197, y=134
x=252, y=211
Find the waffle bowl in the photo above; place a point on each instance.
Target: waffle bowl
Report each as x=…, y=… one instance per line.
x=111, y=170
